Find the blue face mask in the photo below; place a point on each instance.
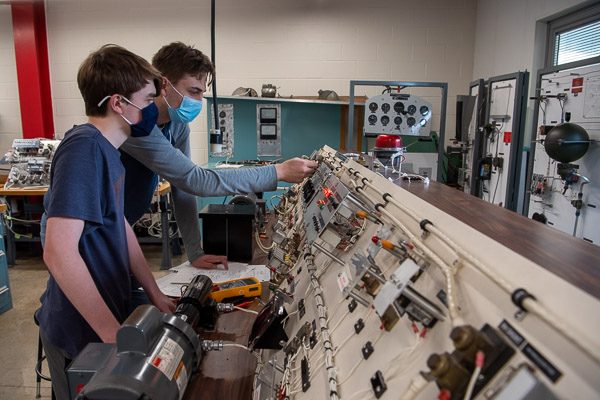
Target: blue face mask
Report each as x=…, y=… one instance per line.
x=187, y=111
x=149, y=118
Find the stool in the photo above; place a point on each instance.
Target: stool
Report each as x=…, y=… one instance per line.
x=40, y=359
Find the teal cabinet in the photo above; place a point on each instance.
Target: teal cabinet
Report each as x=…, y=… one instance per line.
x=5, y=295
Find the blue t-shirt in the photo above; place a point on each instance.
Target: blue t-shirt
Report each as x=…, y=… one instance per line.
x=140, y=183
x=86, y=182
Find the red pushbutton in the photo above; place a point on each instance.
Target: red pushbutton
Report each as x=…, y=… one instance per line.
x=375, y=239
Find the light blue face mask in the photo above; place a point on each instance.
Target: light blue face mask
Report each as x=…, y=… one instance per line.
x=187, y=111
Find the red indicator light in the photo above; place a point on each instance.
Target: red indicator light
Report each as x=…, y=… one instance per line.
x=327, y=192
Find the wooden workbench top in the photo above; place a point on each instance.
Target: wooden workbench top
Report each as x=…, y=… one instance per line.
x=164, y=188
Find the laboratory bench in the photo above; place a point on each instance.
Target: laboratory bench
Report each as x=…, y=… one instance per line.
x=29, y=203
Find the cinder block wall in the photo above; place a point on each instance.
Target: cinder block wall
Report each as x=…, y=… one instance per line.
x=300, y=46
x=10, y=112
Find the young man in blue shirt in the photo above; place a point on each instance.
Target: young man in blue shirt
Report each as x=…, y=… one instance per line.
x=186, y=74
x=90, y=249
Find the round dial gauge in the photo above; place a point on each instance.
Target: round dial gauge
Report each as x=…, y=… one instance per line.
x=385, y=107
x=385, y=120
x=372, y=119
x=412, y=109
x=399, y=107
x=373, y=107
x=397, y=120
x=411, y=121
x=424, y=110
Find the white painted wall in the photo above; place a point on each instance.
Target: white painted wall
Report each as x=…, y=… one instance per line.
x=10, y=113
x=300, y=46
x=505, y=34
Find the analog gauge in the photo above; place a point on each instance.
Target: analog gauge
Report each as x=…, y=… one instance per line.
x=412, y=109
x=222, y=122
x=372, y=119
x=423, y=122
x=222, y=114
x=397, y=120
x=411, y=121
x=399, y=107
x=385, y=119
x=424, y=110
x=373, y=107
x=385, y=107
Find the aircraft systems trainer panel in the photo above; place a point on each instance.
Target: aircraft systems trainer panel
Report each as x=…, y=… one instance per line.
x=391, y=298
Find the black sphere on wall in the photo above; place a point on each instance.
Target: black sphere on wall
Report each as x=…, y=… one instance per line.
x=567, y=142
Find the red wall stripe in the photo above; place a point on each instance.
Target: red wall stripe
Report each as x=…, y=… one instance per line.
x=33, y=75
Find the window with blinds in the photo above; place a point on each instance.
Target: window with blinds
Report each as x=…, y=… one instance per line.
x=577, y=44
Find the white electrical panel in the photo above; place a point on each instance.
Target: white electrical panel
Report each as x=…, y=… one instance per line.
x=568, y=96
x=378, y=294
x=497, y=150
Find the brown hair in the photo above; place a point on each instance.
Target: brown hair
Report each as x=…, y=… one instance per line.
x=112, y=70
x=177, y=59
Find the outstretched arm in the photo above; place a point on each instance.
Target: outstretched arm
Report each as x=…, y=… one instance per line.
x=173, y=163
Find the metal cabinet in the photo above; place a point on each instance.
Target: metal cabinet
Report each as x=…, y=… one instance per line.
x=5, y=296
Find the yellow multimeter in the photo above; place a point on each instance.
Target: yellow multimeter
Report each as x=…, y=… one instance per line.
x=243, y=287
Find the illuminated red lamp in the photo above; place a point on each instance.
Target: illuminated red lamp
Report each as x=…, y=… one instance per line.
x=391, y=142
x=385, y=147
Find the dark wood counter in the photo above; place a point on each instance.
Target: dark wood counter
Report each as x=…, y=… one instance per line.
x=228, y=374
x=572, y=259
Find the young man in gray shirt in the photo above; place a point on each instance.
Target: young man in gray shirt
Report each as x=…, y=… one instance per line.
x=166, y=152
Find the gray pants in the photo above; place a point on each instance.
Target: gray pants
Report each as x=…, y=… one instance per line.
x=58, y=361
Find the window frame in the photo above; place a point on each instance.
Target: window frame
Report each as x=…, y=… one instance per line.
x=573, y=20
